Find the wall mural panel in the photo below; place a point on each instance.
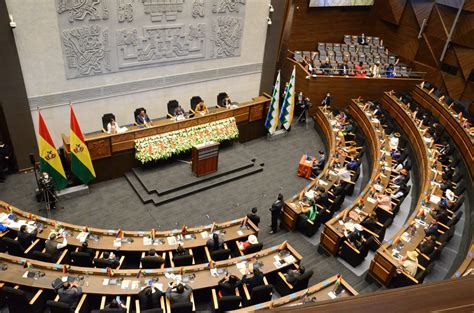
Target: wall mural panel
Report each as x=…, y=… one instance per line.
x=107, y=36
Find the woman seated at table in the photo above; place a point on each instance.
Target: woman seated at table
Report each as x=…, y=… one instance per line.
x=114, y=128
x=409, y=263
x=252, y=240
x=310, y=212
x=201, y=108
x=384, y=200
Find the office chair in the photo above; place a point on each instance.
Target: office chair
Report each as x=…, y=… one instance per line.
x=172, y=105
x=105, y=120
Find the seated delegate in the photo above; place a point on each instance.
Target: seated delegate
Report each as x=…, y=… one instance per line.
x=179, y=113
x=201, y=108
x=143, y=119
x=114, y=128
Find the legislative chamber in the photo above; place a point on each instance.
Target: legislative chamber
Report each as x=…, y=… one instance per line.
x=236, y=156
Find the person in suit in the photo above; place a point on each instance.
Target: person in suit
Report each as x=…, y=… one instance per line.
x=25, y=238
x=85, y=248
x=440, y=214
x=402, y=178
x=293, y=274
x=70, y=293
x=390, y=72
x=370, y=222
x=326, y=67
x=275, y=211
x=228, y=284
x=353, y=164
x=201, y=108
x=254, y=279
x=427, y=245
x=153, y=256
x=180, y=250
x=179, y=112
x=118, y=306
x=343, y=69
x=149, y=298
x=179, y=293
x=319, y=164
x=254, y=217
x=327, y=99
x=215, y=243
x=362, y=40
x=52, y=246
x=354, y=235
x=323, y=198
x=432, y=228
x=226, y=102
x=109, y=259
x=143, y=119
x=5, y=160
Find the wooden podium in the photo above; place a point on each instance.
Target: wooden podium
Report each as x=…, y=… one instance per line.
x=204, y=158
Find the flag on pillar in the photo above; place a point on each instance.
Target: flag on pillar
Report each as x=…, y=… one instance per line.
x=288, y=107
x=271, y=123
x=50, y=162
x=81, y=163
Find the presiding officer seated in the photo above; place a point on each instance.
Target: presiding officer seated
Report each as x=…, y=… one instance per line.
x=143, y=119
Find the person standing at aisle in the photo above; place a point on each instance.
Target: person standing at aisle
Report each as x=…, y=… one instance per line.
x=275, y=211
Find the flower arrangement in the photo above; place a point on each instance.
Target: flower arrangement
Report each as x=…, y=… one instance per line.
x=165, y=145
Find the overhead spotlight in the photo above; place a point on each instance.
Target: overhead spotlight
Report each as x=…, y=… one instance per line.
x=269, y=21
x=12, y=22
x=271, y=9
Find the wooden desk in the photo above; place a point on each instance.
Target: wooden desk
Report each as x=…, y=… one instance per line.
x=291, y=208
x=332, y=235
x=232, y=230
x=467, y=266
x=94, y=277
x=463, y=141
x=113, y=154
x=320, y=291
x=383, y=267
x=305, y=166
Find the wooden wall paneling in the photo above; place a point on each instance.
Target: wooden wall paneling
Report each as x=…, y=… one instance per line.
x=432, y=75
x=464, y=32
x=385, y=12
x=465, y=57
x=397, y=9
x=454, y=84
x=422, y=9
x=469, y=5
x=452, y=3
x=451, y=58
x=330, y=24
x=468, y=95
x=425, y=54
x=447, y=15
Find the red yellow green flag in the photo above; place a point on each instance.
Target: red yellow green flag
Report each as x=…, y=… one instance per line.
x=50, y=162
x=81, y=163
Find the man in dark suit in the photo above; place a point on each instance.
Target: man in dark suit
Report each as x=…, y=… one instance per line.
x=254, y=217
x=362, y=40
x=152, y=256
x=149, y=298
x=323, y=198
x=85, y=248
x=343, y=69
x=215, y=243
x=253, y=280
x=109, y=260
x=179, y=294
x=228, y=284
x=432, y=228
x=25, y=238
x=276, y=211
x=427, y=246
x=70, y=294
x=143, y=119
x=293, y=274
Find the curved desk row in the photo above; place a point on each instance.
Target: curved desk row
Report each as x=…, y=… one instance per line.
x=385, y=263
x=133, y=241
x=320, y=292
x=332, y=235
x=99, y=281
x=335, y=140
x=450, y=121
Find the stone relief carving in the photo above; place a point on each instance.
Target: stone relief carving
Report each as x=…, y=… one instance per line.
x=160, y=44
x=117, y=35
x=198, y=8
x=87, y=50
x=223, y=6
x=163, y=10
x=125, y=11
x=78, y=10
x=226, y=36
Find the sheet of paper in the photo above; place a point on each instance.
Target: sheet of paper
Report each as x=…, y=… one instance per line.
x=171, y=240
x=240, y=233
x=135, y=284
x=371, y=200
x=204, y=234
x=125, y=284
x=332, y=295
x=105, y=282
x=290, y=259
x=146, y=241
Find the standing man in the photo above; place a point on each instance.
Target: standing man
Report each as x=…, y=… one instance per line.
x=276, y=210
x=327, y=100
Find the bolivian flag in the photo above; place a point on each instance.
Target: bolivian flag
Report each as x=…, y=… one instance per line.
x=50, y=162
x=81, y=163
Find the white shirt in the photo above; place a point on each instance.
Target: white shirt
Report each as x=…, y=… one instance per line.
x=344, y=174
x=114, y=126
